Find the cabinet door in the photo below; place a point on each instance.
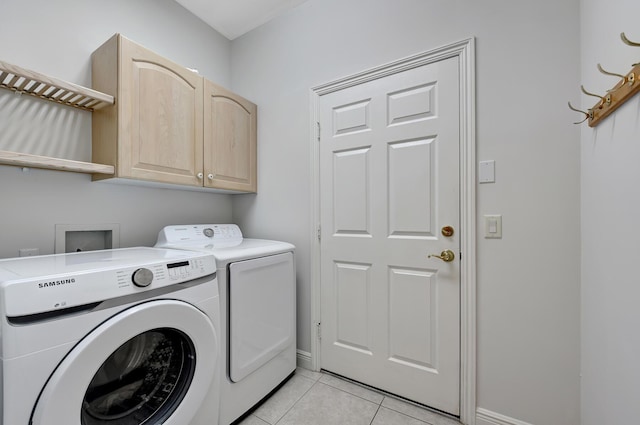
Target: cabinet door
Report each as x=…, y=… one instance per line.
x=160, y=118
x=230, y=140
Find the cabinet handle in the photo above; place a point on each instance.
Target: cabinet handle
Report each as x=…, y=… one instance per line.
x=210, y=176
x=200, y=176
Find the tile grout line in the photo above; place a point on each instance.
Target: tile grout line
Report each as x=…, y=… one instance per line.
x=355, y=395
x=376, y=414
x=297, y=400
x=408, y=415
x=384, y=396
x=379, y=405
x=416, y=406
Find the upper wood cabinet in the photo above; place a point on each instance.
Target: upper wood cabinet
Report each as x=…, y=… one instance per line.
x=170, y=125
x=230, y=146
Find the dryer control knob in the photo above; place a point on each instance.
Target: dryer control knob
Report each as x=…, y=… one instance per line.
x=142, y=277
x=208, y=232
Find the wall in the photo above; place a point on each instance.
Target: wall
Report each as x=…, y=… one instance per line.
x=527, y=63
x=57, y=38
x=610, y=232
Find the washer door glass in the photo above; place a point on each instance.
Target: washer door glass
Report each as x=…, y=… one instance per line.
x=143, y=381
x=152, y=363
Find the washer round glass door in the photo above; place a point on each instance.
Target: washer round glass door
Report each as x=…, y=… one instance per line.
x=150, y=364
x=143, y=381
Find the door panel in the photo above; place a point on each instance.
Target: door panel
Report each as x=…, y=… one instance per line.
x=353, y=300
x=389, y=181
x=351, y=195
x=160, y=120
x=411, y=211
x=411, y=104
x=349, y=119
x=230, y=134
x=411, y=300
x=169, y=146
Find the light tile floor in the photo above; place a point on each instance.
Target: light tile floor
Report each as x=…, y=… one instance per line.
x=312, y=398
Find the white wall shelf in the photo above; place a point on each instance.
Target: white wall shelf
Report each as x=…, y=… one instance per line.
x=35, y=161
x=24, y=81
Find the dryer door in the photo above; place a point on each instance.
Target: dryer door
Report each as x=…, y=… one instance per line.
x=262, y=302
x=150, y=364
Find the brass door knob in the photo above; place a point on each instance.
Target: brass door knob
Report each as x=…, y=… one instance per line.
x=447, y=255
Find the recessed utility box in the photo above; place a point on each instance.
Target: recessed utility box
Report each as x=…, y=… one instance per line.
x=86, y=237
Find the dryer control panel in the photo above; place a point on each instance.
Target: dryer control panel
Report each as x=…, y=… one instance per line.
x=200, y=234
x=33, y=285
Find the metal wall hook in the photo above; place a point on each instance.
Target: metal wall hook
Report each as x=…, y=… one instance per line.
x=625, y=78
x=587, y=114
x=591, y=94
x=627, y=41
x=603, y=99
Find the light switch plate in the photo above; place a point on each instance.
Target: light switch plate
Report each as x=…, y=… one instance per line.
x=487, y=172
x=493, y=226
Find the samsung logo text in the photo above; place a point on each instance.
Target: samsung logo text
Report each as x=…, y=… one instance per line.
x=56, y=283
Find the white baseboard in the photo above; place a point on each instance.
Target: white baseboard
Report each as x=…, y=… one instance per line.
x=487, y=417
x=304, y=359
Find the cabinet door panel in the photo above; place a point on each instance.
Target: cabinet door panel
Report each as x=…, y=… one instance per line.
x=229, y=140
x=164, y=121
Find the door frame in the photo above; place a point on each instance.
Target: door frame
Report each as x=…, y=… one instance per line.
x=464, y=50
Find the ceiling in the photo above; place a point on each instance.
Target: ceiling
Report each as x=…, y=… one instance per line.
x=232, y=18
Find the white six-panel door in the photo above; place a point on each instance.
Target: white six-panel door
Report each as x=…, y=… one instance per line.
x=389, y=183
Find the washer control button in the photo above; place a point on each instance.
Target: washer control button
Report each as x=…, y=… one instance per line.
x=142, y=277
x=208, y=232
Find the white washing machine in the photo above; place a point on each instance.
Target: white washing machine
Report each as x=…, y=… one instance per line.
x=257, y=305
x=124, y=336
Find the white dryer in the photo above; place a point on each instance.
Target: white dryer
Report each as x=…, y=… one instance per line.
x=124, y=336
x=257, y=304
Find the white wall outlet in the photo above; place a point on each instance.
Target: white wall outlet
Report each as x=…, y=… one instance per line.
x=493, y=226
x=28, y=252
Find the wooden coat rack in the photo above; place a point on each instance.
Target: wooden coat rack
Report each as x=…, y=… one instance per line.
x=615, y=97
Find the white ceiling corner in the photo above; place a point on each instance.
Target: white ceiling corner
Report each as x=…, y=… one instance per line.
x=233, y=18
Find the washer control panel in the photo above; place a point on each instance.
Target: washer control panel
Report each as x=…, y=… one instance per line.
x=33, y=285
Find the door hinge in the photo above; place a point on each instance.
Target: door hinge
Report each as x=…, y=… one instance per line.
x=319, y=233
x=318, y=124
x=319, y=330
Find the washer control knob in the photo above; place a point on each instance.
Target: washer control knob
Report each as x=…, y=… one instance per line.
x=208, y=232
x=142, y=277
